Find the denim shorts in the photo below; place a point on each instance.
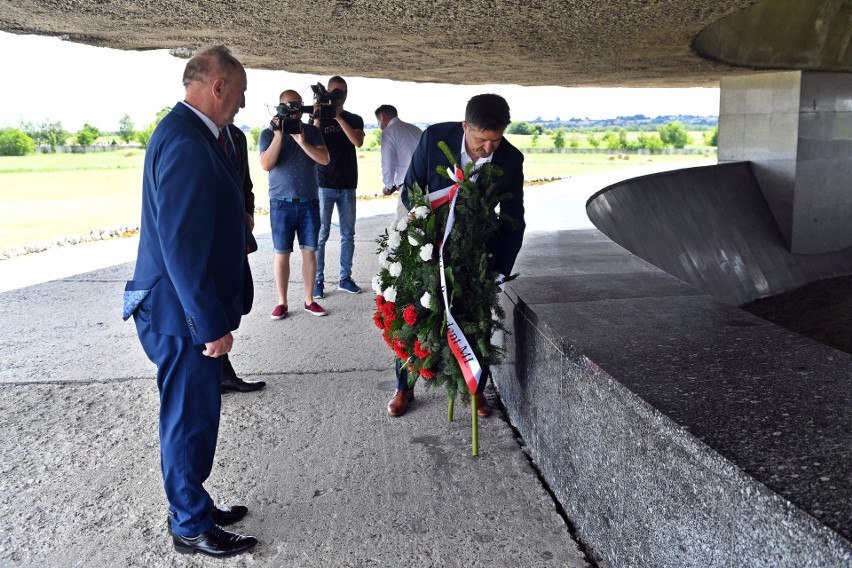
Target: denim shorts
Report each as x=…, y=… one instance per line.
x=290, y=219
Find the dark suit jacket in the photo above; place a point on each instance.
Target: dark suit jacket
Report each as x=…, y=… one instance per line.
x=241, y=147
x=423, y=170
x=192, y=273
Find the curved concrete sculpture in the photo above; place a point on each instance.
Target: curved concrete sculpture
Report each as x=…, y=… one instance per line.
x=783, y=34
x=712, y=228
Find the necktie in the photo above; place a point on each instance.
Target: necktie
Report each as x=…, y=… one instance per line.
x=225, y=146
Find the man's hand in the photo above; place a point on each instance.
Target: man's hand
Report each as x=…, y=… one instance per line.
x=221, y=346
x=275, y=125
x=388, y=190
x=250, y=222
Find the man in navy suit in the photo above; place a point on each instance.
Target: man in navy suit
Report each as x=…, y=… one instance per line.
x=478, y=139
x=191, y=286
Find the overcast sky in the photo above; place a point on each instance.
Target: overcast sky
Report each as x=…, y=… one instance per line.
x=45, y=78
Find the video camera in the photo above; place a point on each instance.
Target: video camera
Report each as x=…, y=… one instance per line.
x=289, y=123
x=326, y=101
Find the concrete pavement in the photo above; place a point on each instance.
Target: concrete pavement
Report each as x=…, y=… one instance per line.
x=329, y=478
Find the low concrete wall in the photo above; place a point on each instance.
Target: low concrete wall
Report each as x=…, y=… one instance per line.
x=674, y=429
x=710, y=226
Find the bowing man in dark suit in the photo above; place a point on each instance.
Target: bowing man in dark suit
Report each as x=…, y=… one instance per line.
x=478, y=139
x=237, y=146
x=191, y=286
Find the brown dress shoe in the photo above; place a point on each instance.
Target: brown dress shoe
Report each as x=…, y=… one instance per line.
x=399, y=403
x=483, y=409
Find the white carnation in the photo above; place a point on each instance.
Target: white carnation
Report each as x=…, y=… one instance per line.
x=383, y=259
x=402, y=224
x=426, y=301
x=395, y=269
x=411, y=240
x=426, y=252
x=377, y=285
x=421, y=212
x=394, y=240
x=390, y=294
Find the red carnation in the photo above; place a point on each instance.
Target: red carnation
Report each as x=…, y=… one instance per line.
x=399, y=348
x=409, y=315
x=377, y=319
x=388, y=313
x=427, y=374
x=388, y=309
x=419, y=351
x=379, y=301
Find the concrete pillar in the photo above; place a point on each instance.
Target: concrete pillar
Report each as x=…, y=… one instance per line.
x=795, y=127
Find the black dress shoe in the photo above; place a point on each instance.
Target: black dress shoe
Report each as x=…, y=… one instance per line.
x=224, y=516
x=236, y=384
x=215, y=542
x=231, y=382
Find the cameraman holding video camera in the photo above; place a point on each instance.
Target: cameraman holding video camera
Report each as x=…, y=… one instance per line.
x=290, y=151
x=343, y=133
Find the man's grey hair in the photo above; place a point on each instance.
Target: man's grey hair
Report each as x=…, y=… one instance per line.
x=209, y=62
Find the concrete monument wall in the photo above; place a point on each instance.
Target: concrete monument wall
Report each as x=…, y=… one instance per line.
x=796, y=129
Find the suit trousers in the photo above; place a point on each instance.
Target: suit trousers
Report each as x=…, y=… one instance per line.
x=189, y=384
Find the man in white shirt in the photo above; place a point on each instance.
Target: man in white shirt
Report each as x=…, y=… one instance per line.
x=399, y=140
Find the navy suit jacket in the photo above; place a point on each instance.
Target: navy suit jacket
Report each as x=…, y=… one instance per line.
x=192, y=276
x=423, y=170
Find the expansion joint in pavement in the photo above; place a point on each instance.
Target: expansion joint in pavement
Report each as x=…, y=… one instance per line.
x=588, y=554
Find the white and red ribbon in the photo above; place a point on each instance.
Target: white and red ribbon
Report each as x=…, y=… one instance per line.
x=459, y=345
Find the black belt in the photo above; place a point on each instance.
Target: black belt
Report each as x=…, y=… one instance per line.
x=295, y=199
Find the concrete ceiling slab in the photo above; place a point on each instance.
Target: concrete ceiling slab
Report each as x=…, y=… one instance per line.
x=574, y=43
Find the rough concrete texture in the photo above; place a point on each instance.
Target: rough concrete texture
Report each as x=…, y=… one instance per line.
x=783, y=34
x=676, y=431
x=550, y=42
x=329, y=477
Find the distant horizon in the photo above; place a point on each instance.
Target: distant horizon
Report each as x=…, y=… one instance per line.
x=51, y=79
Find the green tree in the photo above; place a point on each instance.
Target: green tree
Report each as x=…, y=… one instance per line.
x=574, y=142
x=255, y=135
x=622, y=138
x=610, y=140
x=712, y=138
x=144, y=135
x=674, y=134
x=50, y=133
x=87, y=135
x=125, y=128
x=592, y=140
x=559, y=138
x=375, y=138
x=534, y=140
x=519, y=127
x=649, y=142
x=14, y=142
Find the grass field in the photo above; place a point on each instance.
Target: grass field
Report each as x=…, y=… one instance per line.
x=48, y=196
